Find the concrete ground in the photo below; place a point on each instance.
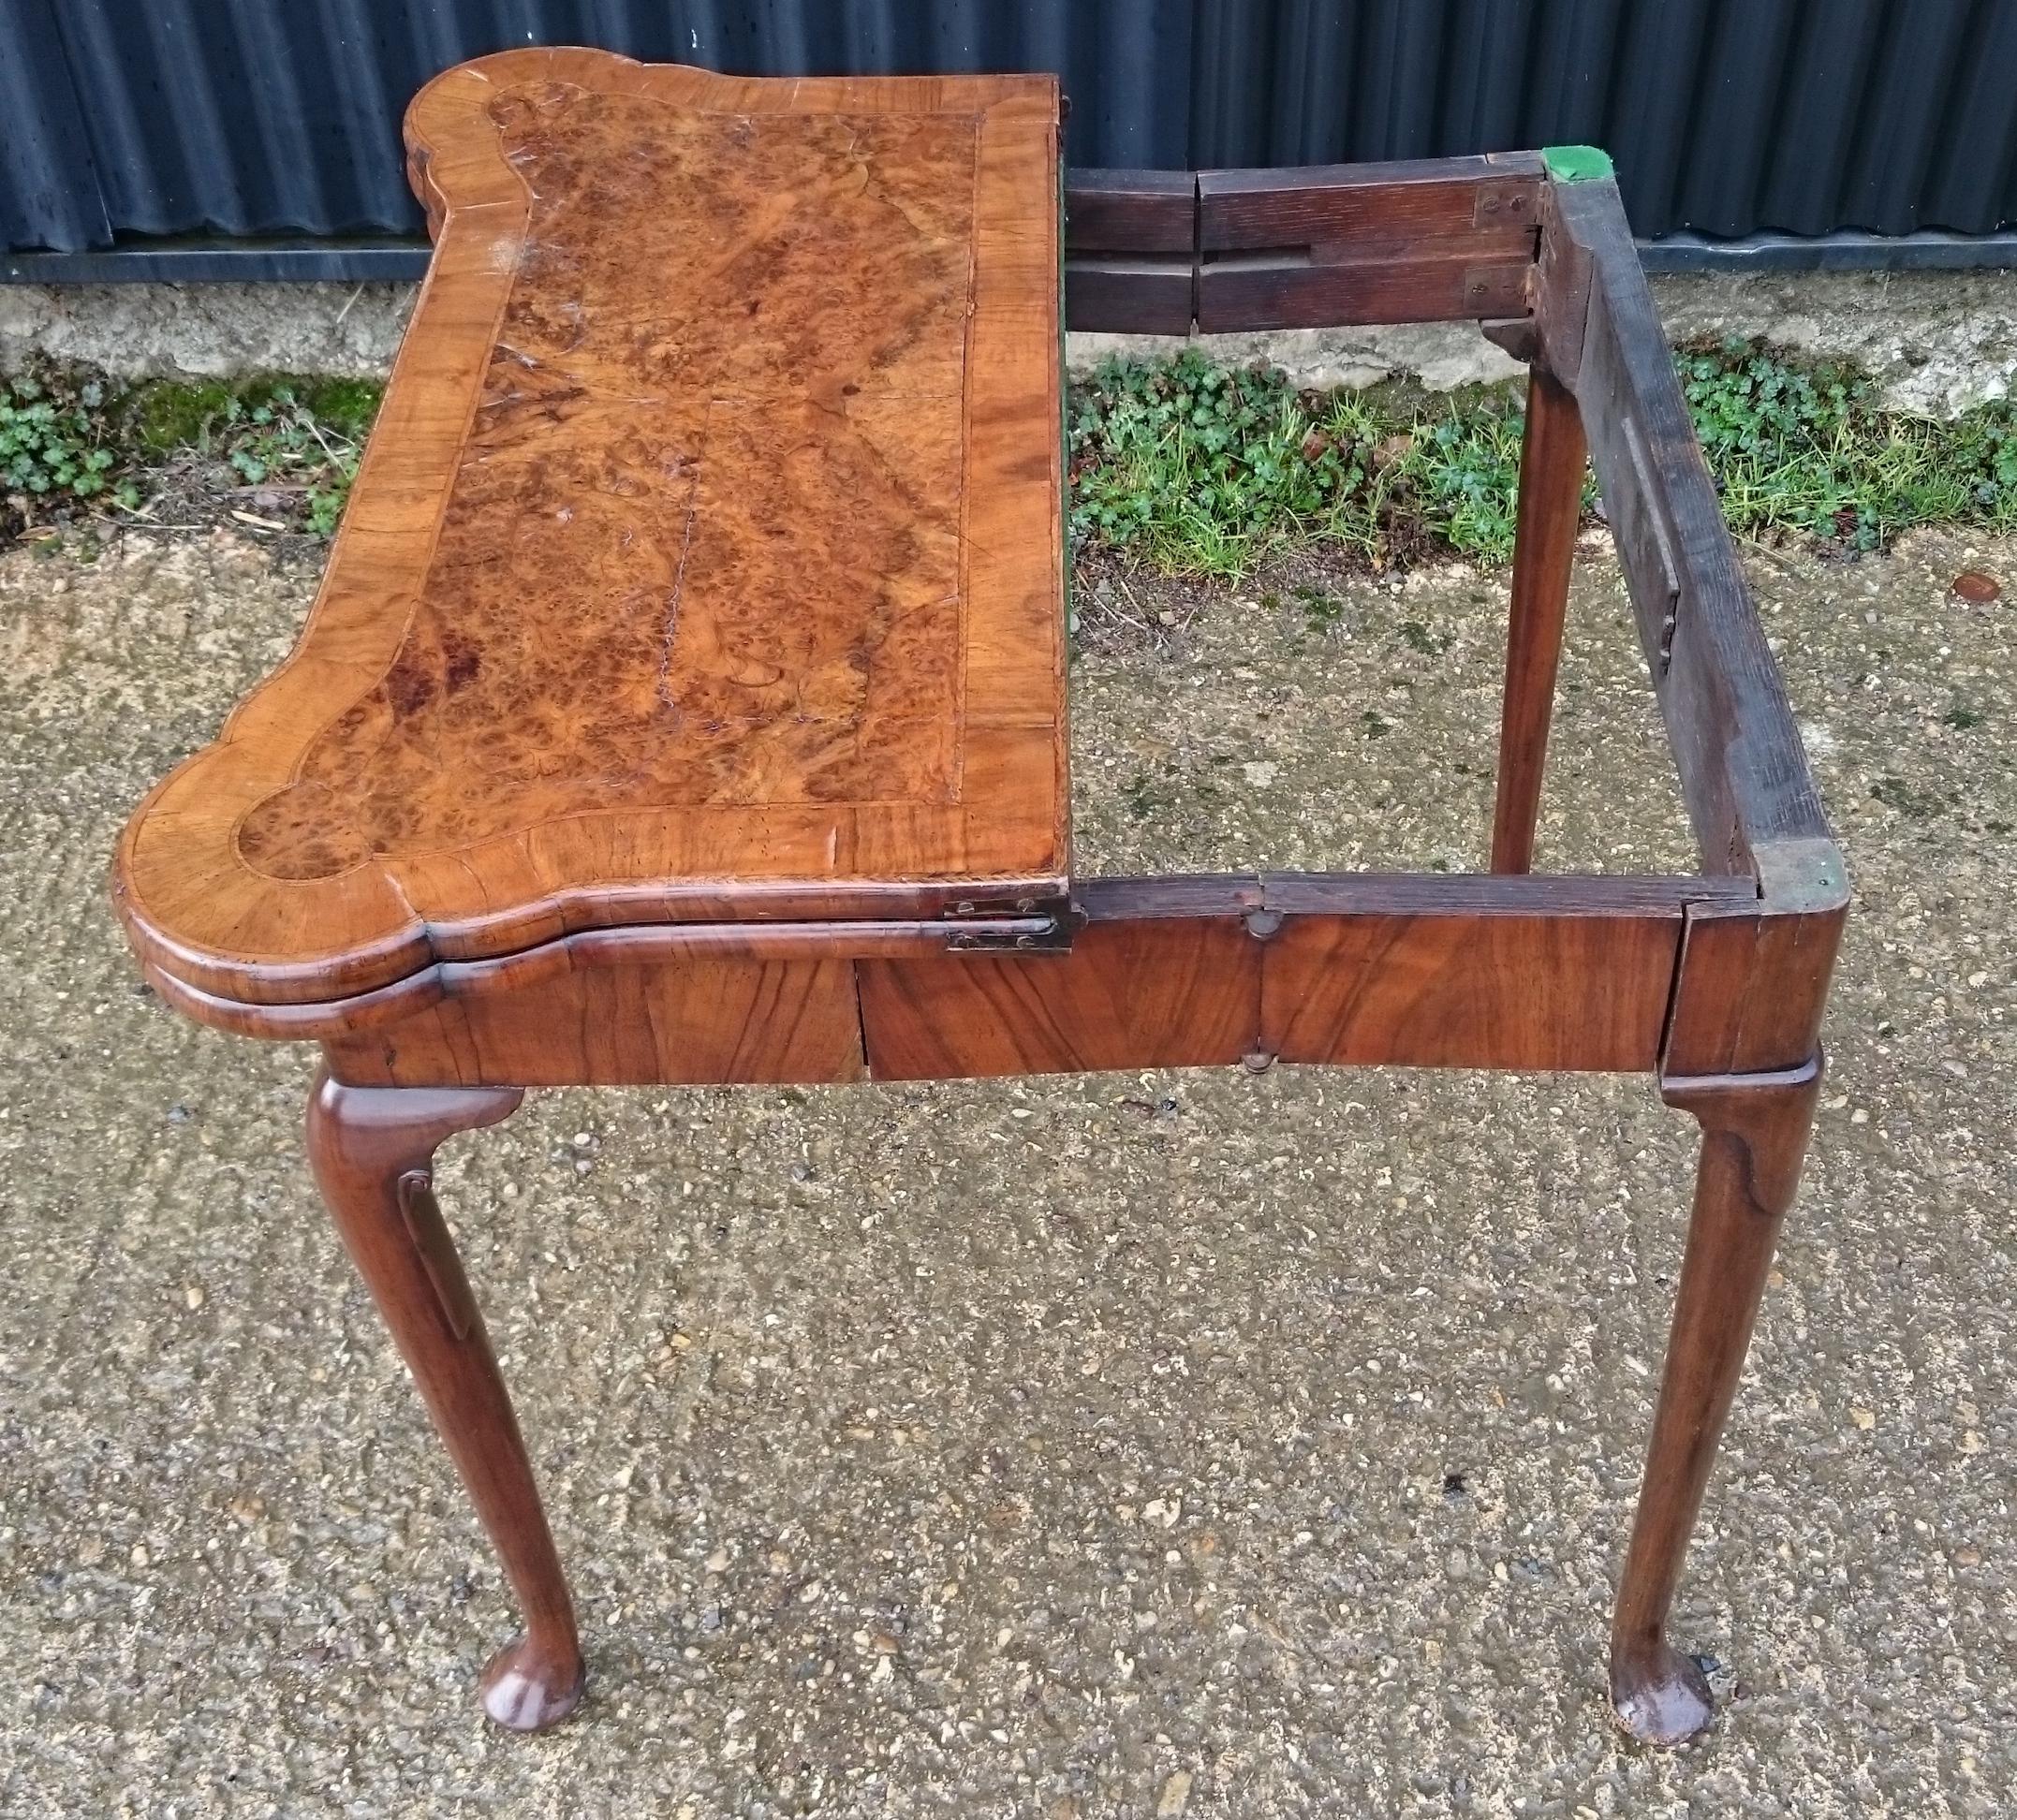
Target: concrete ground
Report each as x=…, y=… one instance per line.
x=1194, y=1444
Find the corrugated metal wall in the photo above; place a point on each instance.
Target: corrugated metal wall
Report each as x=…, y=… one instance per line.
x=1726, y=117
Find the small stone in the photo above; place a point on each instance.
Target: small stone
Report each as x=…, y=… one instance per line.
x=1175, y=1797
x=1973, y=584
x=717, y=1563
x=1967, y=1557
x=193, y=1295
x=137, y=1556
x=1864, y=1418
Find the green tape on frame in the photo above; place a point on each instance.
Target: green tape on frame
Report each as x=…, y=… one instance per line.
x=1578, y=164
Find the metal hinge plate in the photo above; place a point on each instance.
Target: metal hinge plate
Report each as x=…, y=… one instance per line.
x=1010, y=935
x=1020, y=925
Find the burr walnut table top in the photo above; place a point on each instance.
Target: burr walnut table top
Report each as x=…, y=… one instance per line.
x=706, y=560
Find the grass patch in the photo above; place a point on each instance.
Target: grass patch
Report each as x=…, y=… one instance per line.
x=1199, y=468
x=1806, y=450
x=282, y=448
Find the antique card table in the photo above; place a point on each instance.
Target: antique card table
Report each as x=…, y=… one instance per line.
x=683, y=701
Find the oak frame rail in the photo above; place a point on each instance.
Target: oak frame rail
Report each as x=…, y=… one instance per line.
x=1154, y=252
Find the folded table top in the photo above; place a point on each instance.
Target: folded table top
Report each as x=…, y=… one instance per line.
x=706, y=562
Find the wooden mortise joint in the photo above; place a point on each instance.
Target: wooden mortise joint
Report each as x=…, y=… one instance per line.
x=1562, y=278
x=1132, y=250
x=1751, y=983
x=1421, y=240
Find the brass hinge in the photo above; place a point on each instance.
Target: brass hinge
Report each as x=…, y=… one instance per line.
x=1010, y=935
x=1025, y=925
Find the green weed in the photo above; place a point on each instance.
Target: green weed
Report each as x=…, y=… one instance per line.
x=71, y=442
x=57, y=447
x=279, y=442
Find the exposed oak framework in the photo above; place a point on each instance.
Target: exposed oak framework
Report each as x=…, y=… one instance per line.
x=684, y=700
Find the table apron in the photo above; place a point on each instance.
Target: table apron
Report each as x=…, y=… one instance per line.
x=1160, y=974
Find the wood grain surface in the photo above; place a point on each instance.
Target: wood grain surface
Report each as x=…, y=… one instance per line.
x=1414, y=240
x=1482, y=200
x=717, y=1019
x=1138, y=989
x=1130, y=251
x=1743, y=772
x=1465, y=971
x=706, y=560
x=1754, y=976
x=1551, y=463
x=372, y=1157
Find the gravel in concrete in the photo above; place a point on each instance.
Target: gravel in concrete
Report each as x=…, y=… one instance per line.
x=1184, y=1444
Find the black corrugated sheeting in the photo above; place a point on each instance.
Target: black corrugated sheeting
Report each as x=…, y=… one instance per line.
x=1727, y=118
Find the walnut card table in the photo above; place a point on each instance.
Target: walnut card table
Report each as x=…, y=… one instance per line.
x=684, y=700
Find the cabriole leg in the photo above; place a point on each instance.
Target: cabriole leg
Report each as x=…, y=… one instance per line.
x=372, y=1148
x=1551, y=457
x=1754, y=1138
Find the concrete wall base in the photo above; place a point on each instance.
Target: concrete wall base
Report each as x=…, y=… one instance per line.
x=1936, y=341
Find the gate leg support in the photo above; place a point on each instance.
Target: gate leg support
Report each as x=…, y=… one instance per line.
x=373, y=1149
x=1754, y=1132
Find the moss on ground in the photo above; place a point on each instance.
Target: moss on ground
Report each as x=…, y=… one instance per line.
x=74, y=446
